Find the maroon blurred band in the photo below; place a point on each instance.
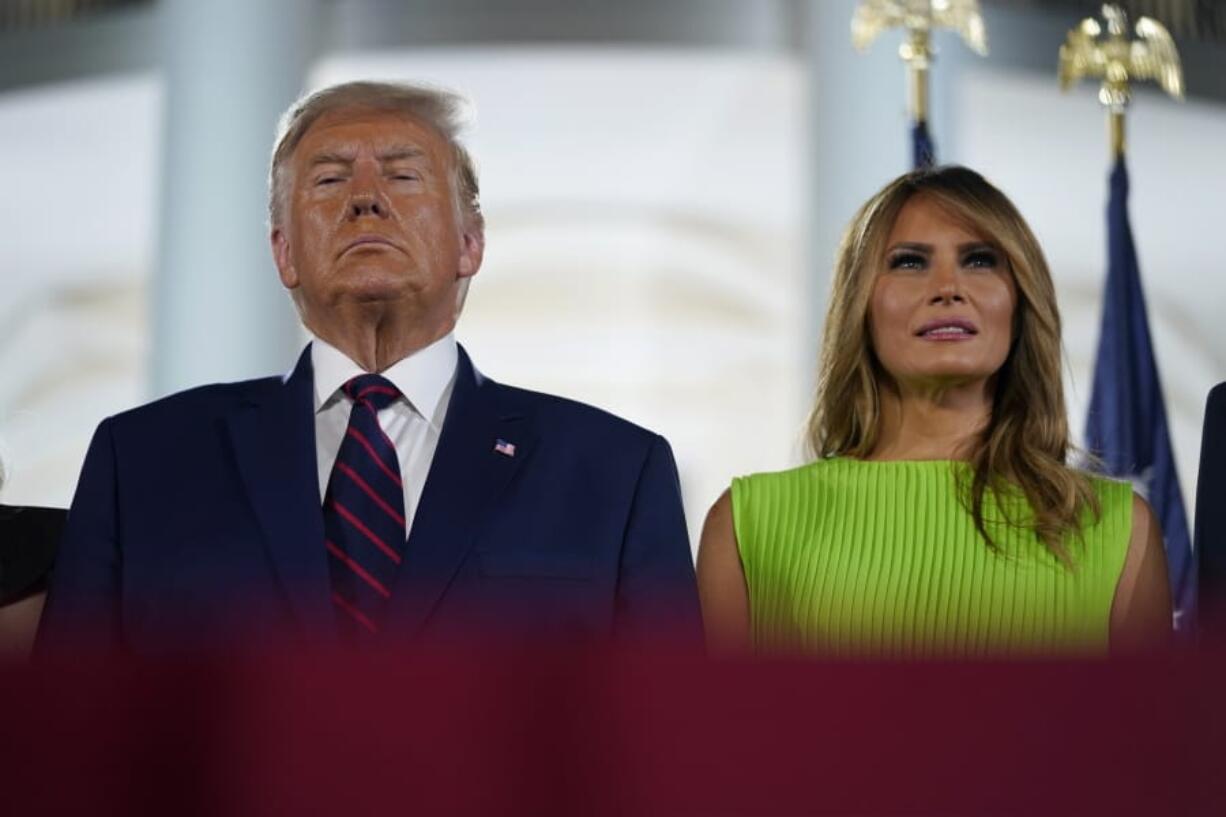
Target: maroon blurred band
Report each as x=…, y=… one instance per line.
x=519, y=730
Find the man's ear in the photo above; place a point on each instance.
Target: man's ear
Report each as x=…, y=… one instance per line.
x=281, y=255
x=472, y=251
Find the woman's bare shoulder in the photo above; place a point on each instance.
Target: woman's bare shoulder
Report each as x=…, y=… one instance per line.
x=1141, y=609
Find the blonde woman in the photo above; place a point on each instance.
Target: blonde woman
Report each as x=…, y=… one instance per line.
x=941, y=516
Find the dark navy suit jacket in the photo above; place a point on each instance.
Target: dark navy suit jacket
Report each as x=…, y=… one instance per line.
x=197, y=521
x=1209, y=541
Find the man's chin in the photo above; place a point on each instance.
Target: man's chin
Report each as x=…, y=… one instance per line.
x=374, y=295
x=374, y=289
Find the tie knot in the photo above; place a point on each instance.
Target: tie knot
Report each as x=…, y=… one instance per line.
x=373, y=389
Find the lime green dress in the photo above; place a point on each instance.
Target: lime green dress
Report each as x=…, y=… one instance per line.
x=847, y=557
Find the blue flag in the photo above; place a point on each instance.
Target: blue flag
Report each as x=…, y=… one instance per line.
x=1127, y=427
x=923, y=152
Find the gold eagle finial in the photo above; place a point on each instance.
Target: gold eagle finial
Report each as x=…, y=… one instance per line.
x=874, y=16
x=1118, y=60
x=919, y=18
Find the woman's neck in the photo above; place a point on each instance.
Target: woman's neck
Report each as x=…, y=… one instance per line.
x=931, y=423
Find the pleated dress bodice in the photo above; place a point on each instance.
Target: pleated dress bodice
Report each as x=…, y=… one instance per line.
x=848, y=557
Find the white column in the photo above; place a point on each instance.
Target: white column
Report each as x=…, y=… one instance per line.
x=230, y=67
x=859, y=137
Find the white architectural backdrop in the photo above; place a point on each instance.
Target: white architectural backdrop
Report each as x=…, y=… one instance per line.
x=649, y=224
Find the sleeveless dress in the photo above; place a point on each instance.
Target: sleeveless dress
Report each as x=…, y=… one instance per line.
x=847, y=557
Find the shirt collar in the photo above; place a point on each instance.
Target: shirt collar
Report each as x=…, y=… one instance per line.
x=423, y=377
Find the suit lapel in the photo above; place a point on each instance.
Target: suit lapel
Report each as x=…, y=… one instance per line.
x=273, y=433
x=466, y=477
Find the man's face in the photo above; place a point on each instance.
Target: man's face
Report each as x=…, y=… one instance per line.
x=370, y=216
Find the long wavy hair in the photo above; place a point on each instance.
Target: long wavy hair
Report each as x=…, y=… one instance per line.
x=1025, y=445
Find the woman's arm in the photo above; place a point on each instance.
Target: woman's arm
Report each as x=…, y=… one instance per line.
x=1141, y=611
x=721, y=582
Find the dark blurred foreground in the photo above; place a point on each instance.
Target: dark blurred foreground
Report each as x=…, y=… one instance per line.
x=536, y=732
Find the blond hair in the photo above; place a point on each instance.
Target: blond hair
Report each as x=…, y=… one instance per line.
x=1025, y=445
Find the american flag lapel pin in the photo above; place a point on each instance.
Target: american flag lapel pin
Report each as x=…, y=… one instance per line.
x=505, y=448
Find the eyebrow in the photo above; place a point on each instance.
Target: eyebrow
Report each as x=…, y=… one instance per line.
x=400, y=152
x=331, y=159
x=928, y=248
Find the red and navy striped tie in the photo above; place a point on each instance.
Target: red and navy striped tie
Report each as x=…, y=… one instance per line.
x=364, y=528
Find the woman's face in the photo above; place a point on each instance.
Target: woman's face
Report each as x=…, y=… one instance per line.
x=941, y=311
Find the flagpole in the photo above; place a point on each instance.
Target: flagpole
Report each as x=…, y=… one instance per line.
x=919, y=18
x=1116, y=129
x=916, y=52
x=1126, y=425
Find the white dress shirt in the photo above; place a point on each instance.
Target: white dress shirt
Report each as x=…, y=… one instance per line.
x=412, y=422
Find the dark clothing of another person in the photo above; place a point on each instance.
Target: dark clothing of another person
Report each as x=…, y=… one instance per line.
x=1209, y=540
x=28, y=541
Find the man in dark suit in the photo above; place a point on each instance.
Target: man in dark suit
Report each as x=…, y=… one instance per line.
x=385, y=489
x=1209, y=542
